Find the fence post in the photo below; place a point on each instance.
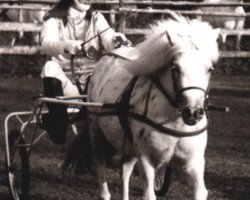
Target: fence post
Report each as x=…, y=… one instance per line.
x=20, y=19
x=122, y=18
x=112, y=16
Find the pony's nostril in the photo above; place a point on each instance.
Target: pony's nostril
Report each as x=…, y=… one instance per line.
x=186, y=112
x=198, y=114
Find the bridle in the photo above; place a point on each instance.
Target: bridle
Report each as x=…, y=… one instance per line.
x=175, y=100
x=178, y=92
x=122, y=107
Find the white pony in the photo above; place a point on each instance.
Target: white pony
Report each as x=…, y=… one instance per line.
x=156, y=93
x=230, y=23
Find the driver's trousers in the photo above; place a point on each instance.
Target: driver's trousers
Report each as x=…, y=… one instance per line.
x=53, y=69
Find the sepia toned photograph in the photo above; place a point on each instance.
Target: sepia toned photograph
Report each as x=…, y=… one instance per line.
x=124, y=100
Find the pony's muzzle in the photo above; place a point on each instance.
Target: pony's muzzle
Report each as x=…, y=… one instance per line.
x=192, y=116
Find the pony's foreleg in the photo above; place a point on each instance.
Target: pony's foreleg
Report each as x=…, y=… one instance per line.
x=195, y=170
x=126, y=172
x=149, y=174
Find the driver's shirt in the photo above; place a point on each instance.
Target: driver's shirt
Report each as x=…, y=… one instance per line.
x=55, y=34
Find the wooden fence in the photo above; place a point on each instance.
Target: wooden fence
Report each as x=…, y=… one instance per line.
x=122, y=7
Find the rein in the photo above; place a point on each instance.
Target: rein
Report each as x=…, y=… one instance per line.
x=122, y=110
x=74, y=76
x=149, y=122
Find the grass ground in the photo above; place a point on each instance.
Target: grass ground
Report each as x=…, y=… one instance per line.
x=227, y=174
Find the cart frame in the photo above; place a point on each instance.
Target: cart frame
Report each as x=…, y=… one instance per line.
x=25, y=120
x=34, y=117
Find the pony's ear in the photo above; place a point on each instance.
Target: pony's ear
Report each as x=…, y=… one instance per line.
x=174, y=15
x=169, y=38
x=216, y=33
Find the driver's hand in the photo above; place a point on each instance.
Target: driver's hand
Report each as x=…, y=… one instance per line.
x=73, y=47
x=120, y=39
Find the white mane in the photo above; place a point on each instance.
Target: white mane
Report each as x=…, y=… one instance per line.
x=167, y=38
x=187, y=33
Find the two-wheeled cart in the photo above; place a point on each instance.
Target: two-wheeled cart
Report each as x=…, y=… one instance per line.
x=23, y=130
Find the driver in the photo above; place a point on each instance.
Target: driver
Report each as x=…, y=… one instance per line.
x=66, y=26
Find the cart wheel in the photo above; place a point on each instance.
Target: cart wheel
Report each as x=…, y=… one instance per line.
x=162, y=180
x=18, y=171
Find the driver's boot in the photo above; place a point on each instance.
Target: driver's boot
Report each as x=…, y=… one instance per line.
x=56, y=121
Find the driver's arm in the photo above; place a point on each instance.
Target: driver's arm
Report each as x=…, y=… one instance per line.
x=51, y=43
x=109, y=38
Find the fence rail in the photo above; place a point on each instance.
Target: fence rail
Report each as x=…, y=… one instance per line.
x=137, y=2
x=20, y=50
x=32, y=50
x=20, y=26
x=38, y=5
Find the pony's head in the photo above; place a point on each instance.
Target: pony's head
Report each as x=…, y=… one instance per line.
x=195, y=48
x=189, y=48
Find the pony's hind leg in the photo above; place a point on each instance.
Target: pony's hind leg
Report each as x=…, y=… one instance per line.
x=99, y=161
x=149, y=174
x=104, y=193
x=195, y=170
x=126, y=171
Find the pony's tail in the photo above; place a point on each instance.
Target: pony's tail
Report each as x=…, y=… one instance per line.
x=80, y=155
x=162, y=191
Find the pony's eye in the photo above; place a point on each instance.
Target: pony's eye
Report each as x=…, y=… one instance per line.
x=176, y=68
x=211, y=69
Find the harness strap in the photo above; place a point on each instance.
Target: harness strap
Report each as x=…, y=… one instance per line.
x=164, y=129
x=179, y=93
x=164, y=92
x=123, y=109
x=150, y=122
x=173, y=75
x=79, y=88
x=147, y=99
x=76, y=79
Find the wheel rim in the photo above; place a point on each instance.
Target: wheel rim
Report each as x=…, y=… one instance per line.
x=16, y=176
x=18, y=171
x=13, y=187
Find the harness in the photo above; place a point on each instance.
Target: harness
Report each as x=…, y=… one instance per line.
x=122, y=108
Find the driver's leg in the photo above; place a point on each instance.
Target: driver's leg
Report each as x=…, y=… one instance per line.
x=53, y=69
x=56, y=84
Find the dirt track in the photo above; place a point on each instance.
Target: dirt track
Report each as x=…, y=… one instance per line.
x=227, y=174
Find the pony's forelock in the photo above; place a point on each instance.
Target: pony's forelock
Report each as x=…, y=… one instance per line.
x=200, y=34
x=203, y=36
